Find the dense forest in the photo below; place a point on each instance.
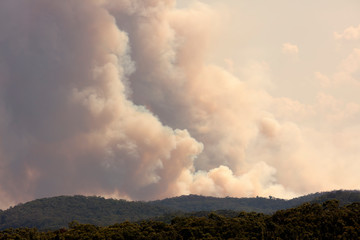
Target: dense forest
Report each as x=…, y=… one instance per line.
x=308, y=221
x=57, y=212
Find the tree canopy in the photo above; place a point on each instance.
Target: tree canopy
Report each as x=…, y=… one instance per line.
x=308, y=221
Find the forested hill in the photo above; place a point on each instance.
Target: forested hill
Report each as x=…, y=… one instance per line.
x=307, y=221
x=57, y=212
x=194, y=203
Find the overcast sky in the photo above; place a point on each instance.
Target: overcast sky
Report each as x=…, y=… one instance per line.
x=148, y=99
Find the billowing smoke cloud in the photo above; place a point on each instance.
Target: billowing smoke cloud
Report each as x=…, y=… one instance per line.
x=66, y=124
x=117, y=98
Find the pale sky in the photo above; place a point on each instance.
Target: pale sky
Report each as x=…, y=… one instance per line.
x=255, y=31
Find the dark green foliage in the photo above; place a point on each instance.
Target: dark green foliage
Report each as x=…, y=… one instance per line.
x=308, y=221
x=195, y=203
x=57, y=212
x=317, y=221
x=344, y=197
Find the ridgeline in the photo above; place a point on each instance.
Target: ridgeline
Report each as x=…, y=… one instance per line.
x=57, y=212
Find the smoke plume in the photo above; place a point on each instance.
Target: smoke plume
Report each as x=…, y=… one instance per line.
x=118, y=98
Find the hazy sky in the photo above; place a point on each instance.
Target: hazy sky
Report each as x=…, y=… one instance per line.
x=146, y=99
x=256, y=32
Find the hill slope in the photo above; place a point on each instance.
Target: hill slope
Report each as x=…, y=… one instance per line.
x=193, y=203
x=307, y=221
x=57, y=212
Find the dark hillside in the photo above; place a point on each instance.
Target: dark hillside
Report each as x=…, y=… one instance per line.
x=324, y=221
x=344, y=197
x=195, y=203
x=57, y=212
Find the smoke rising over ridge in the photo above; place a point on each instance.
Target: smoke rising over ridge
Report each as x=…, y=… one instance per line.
x=119, y=98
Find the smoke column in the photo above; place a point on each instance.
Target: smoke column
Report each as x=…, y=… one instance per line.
x=117, y=98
